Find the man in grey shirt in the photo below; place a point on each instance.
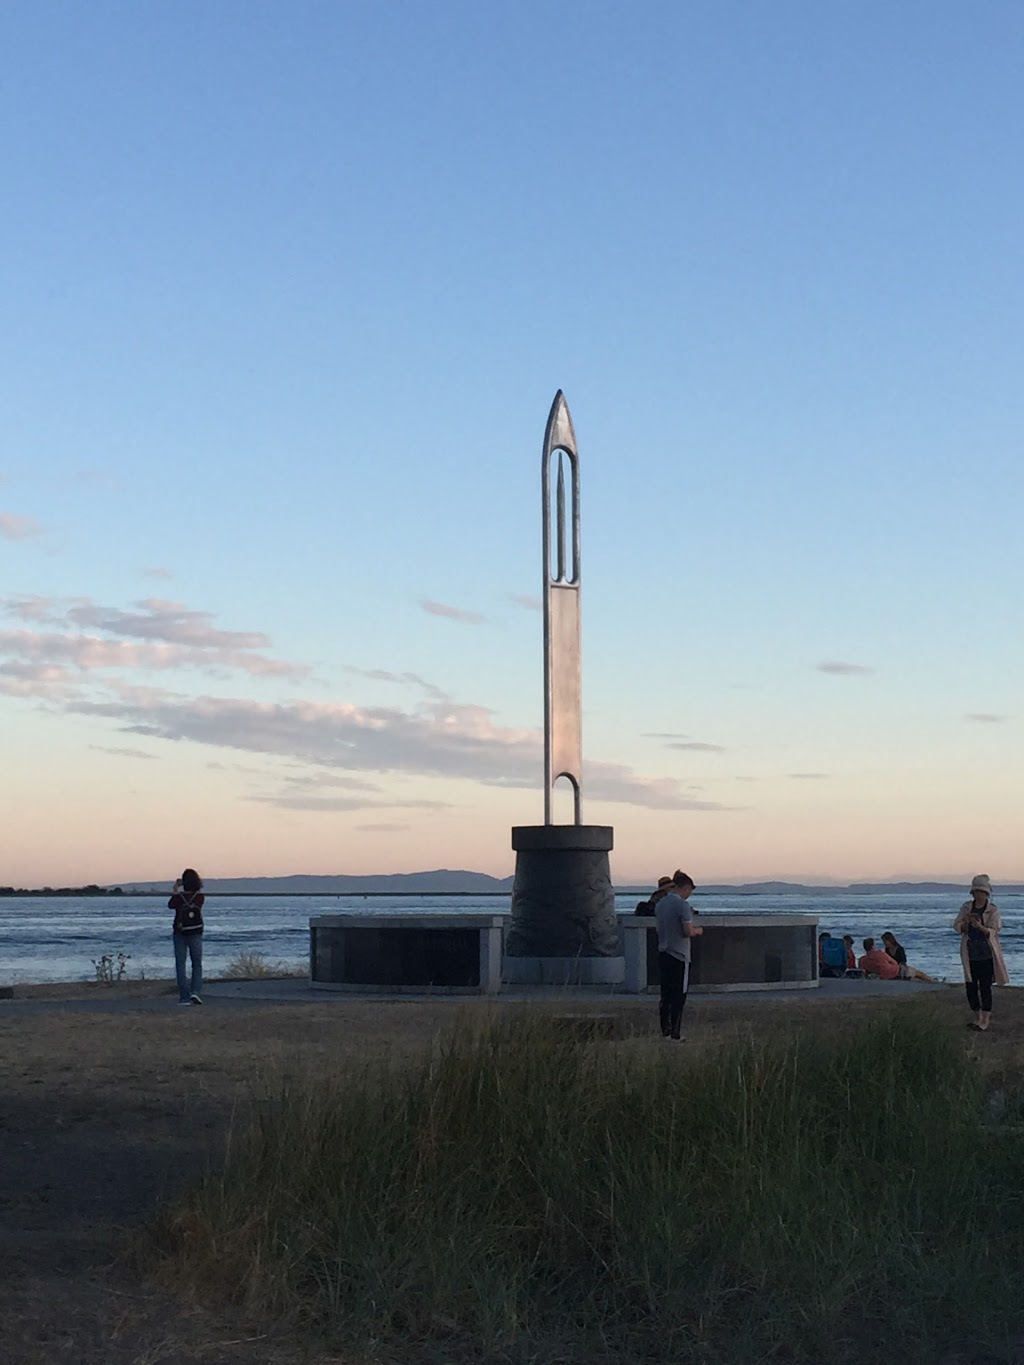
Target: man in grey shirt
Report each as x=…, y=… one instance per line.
x=675, y=929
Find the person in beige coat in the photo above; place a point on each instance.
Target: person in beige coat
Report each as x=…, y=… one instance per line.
x=978, y=925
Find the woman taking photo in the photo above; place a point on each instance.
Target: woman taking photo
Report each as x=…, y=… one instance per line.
x=187, y=902
x=978, y=925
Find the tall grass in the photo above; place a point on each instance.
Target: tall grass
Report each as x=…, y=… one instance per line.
x=528, y=1196
x=251, y=966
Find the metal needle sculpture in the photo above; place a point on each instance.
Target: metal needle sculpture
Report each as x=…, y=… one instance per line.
x=562, y=929
x=563, y=674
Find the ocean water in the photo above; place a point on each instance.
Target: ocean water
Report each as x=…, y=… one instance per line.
x=60, y=938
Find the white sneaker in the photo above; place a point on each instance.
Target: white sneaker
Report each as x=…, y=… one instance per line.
x=193, y=1000
x=184, y=1002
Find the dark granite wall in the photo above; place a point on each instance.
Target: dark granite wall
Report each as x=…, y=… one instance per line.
x=395, y=957
x=724, y=956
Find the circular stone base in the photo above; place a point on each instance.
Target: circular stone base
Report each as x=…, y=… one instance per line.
x=563, y=902
x=563, y=971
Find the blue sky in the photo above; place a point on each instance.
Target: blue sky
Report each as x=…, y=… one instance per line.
x=288, y=290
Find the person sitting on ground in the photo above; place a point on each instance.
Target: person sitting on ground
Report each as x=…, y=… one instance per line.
x=647, y=907
x=898, y=954
x=851, y=956
x=875, y=962
x=831, y=956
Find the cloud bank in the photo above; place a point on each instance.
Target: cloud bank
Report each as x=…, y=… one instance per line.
x=111, y=663
x=156, y=635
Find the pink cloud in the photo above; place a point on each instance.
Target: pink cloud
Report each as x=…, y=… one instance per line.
x=89, y=652
x=18, y=528
x=158, y=635
x=158, y=619
x=31, y=608
x=25, y=678
x=469, y=618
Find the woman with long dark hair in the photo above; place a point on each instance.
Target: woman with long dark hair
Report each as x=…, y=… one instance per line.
x=899, y=954
x=187, y=902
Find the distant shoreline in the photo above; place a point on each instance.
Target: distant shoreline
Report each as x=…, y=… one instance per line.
x=498, y=893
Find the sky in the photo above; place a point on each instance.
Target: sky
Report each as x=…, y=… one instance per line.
x=288, y=290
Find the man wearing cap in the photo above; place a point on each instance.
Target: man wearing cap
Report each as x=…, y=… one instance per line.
x=675, y=929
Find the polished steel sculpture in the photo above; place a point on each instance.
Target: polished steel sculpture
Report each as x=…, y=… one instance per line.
x=563, y=681
x=562, y=929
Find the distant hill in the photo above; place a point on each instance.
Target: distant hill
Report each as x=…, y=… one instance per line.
x=855, y=889
x=440, y=882
x=448, y=882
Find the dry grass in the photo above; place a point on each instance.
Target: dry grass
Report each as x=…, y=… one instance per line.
x=250, y=966
x=104, y=1114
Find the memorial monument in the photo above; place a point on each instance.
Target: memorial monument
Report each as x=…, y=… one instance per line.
x=563, y=929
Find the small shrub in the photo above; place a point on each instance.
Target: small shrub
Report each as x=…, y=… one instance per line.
x=111, y=969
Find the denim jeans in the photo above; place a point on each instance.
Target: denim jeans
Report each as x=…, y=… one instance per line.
x=189, y=945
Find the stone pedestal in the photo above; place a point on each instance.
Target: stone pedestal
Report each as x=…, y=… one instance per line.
x=563, y=929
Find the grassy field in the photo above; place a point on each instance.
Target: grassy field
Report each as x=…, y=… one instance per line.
x=403, y=1187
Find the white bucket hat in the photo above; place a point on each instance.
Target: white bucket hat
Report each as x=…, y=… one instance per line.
x=982, y=883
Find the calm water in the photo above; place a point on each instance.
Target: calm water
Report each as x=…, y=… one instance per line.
x=58, y=938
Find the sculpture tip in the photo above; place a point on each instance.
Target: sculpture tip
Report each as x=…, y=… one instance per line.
x=560, y=431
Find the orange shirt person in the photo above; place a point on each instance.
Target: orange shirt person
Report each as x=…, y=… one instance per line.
x=877, y=962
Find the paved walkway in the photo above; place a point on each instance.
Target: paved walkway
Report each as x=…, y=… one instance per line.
x=297, y=991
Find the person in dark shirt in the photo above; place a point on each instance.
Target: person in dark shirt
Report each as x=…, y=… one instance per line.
x=894, y=949
x=647, y=907
x=187, y=901
x=898, y=954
